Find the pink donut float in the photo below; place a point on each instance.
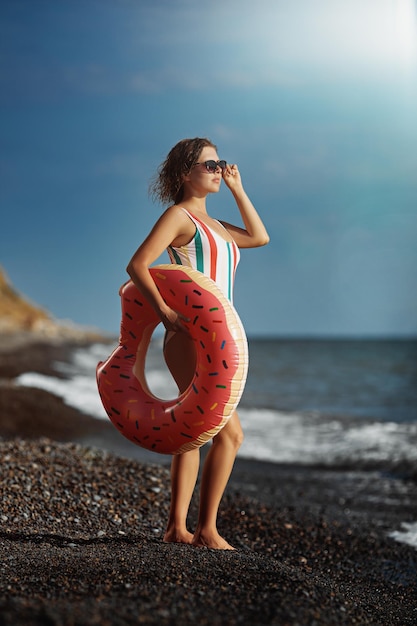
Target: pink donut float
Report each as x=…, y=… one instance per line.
x=191, y=419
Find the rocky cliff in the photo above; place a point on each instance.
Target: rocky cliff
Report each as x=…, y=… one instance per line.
x=18, y=315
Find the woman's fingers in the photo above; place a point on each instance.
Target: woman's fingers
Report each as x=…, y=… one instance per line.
x=175, y=321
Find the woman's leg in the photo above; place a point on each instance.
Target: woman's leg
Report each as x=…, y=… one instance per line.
x=184, y=472
x=216, y=472
x=179, y=352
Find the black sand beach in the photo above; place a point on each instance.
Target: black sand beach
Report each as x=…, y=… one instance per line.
x=83, y=511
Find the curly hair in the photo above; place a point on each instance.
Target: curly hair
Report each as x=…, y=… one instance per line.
x=167, y=184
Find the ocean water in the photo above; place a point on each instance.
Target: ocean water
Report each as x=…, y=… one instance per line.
x=330, y=402
x=334, y=402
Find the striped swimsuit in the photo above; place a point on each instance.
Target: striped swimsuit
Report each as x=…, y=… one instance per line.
x=209, y=253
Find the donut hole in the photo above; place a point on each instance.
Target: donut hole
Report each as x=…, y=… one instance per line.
x=160, y=364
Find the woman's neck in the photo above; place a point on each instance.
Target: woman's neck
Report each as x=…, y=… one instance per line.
x=194, y=205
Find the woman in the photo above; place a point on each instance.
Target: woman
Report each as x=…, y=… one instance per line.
x=190, y=173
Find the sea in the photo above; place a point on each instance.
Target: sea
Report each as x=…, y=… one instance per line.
x=334, y=402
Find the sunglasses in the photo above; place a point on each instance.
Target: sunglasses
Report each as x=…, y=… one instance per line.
x=211, y=166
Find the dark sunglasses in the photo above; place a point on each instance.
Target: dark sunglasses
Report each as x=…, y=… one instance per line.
x=211, y=166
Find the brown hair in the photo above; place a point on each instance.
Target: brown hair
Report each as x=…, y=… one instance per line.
x=167, y=185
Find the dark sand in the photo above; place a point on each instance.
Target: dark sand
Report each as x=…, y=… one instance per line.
x=81, y=529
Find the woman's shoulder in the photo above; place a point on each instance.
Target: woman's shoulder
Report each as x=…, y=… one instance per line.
x=176, y=211
x=180, y=215
x=179, y=221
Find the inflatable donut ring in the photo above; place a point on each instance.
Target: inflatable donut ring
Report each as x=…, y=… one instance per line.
x=195, y=416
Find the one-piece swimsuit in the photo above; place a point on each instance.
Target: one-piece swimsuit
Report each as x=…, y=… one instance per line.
x=209, y=253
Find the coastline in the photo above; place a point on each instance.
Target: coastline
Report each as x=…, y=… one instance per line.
x=312, y=543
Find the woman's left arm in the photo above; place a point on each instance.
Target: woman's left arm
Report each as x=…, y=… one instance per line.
x=254, y=234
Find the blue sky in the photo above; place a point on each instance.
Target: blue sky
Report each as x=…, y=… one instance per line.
x=315, y=100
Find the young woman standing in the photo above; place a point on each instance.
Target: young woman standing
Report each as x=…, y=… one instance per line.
x=192, y=171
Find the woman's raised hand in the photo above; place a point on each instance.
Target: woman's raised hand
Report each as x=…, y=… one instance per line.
x=231, y=176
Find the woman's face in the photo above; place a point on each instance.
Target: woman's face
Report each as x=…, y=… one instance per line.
x=199, y=179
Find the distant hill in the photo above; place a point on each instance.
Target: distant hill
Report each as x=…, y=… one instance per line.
x=18, y=314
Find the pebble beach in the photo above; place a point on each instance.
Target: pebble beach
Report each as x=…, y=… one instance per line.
x=82, y=517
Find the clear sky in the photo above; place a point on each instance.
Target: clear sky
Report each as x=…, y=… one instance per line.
x=316, y=100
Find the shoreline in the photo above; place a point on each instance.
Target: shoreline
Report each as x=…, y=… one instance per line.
x=83, y=513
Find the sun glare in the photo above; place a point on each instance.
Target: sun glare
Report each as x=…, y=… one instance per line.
x=360, y=37
x=405, y=31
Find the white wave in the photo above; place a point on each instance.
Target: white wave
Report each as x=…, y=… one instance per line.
x=292, y=437
x=79, y=388
x=407, y=535
x=78, y=391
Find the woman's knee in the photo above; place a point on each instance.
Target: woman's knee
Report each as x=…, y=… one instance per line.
x=238, y=437
x=232, y=433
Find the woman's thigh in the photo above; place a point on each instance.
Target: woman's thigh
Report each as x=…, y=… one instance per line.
x=180, y=357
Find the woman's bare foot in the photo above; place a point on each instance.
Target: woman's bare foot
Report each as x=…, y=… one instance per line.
x=175, y=536
x=211, y=540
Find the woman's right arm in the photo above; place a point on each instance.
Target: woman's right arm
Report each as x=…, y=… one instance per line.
x=171, y=224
